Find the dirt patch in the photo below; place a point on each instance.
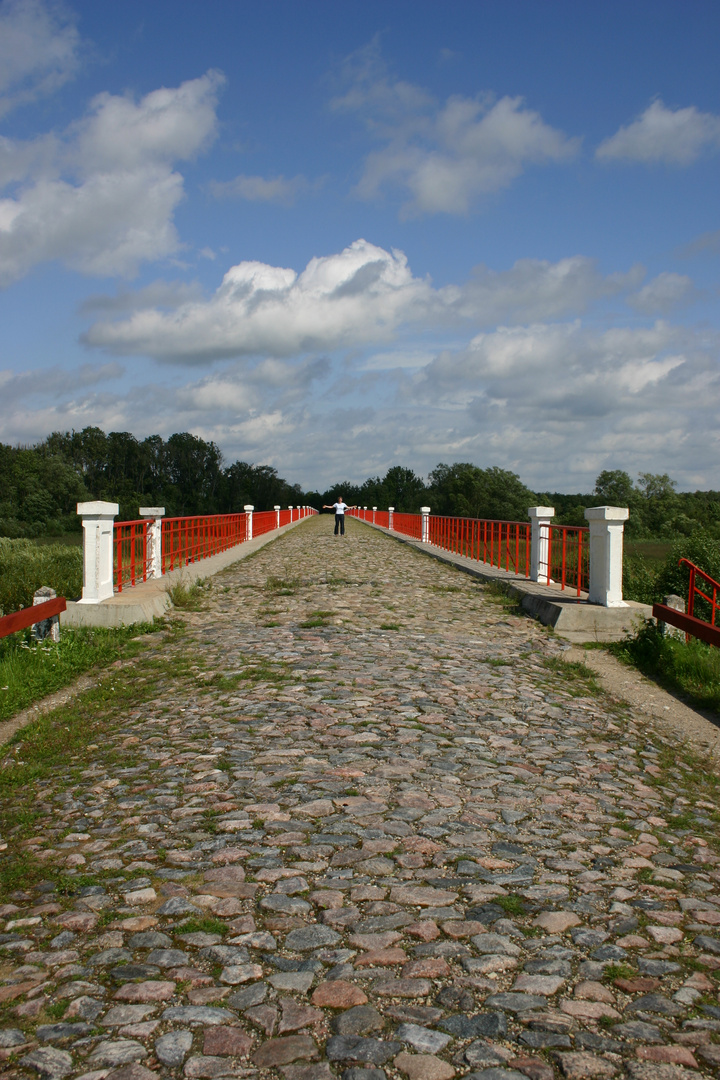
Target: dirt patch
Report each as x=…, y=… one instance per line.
x=700, y=730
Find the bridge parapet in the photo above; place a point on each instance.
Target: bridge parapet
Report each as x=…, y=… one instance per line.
x=586, y=560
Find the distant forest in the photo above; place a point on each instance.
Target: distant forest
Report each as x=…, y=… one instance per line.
x=40, y=485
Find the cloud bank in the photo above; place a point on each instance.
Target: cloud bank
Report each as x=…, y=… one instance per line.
x=101, y=197
x=39, y=47
x=362, y=295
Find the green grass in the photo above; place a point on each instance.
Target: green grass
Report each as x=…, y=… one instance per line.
x=188, y=597
x=204, y=925
x=389, y=626
x=29, y=671
x=691, y=669
x=575, y=677
x=25, y=566
x=512, y=904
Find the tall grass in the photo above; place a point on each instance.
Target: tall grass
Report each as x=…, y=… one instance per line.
x=26, y=566
x=692, y=669
x=30, y=670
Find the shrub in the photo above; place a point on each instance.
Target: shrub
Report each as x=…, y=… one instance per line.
x=26, y=566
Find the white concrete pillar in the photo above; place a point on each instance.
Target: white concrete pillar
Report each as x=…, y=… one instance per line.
x=607, y=524
x=249, y=511
x=277, y=516
x=540, y=518
x=291, y=510
x=98, y=563
x=391, y=511
x=153, y=543
x=425, y=532
x=374, y=512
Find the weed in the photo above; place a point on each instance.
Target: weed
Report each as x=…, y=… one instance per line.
x=57, y=1009
x=308, y=624
x=618, y=971
x=29, y=671
x=207, y=924
x=693, y=668
x=188, y=597
x=646, y=875
x=578, y=679
x=389, y=626
x=26, y=566
x=512, y=904
x=282, y=586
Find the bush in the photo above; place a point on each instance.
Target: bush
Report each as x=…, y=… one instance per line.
x=692, y=668
x=25, y=567
x=639, y=580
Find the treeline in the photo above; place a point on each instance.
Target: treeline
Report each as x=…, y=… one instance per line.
x=40, y=485
x=657, y=509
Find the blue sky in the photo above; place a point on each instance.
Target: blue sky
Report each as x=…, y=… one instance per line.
x=335, y=238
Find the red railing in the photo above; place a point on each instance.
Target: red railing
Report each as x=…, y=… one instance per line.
x=130, y=553
x=408, y=525
x=505, y=544
x=20, y=620
x=693, y=626
x=694, y=591
x=188, y=539
x=569, y=557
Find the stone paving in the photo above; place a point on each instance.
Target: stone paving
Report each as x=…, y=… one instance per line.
x=372, y=832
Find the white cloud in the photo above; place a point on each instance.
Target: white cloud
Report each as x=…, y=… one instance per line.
x=101, y=199
x=663, y=293
x=671, y=136
x=362, y=296
x=444, y=156
x=277, y=189
x=555, y=402
x=39, y=47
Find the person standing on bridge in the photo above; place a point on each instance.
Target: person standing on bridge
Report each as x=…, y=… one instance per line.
x=339, y=507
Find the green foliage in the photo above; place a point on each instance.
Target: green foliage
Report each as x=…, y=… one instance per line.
x=25, y=567
x=29, y=670
x=693, y=669
x=467, y=491
x=188, y=597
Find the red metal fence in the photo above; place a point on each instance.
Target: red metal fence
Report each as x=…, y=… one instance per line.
x=20, y=620
x=504, y=544
x=569, y=557
x=130, y=539
x=186, y=540
x=695, y=625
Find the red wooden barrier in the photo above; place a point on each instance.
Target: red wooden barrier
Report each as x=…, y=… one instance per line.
x=20, y=620
x=689, y=623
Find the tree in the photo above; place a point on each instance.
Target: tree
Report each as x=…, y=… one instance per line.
x=465, y=490
x=614, y=487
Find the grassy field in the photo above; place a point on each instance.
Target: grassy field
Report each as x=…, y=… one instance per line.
x=26, y=565
x=692, y=670
x=29, y=671
x=652, y=551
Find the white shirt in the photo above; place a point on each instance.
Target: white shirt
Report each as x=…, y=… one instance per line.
x=340, y=507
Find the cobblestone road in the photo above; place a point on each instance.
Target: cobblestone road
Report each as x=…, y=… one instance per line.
x=364, y=825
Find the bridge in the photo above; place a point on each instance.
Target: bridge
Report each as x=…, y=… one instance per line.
x=355, y=817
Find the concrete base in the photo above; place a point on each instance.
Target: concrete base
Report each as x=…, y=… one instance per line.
x=150, y=599
x=571, y=616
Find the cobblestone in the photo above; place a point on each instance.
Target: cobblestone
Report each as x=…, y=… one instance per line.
x=363, y=824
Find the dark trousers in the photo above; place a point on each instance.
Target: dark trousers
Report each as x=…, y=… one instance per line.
x=340, y=524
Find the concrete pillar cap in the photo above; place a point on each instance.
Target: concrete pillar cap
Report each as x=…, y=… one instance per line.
x=541, y=511
x=424, y=509
x=98, y=509
x=152, y=511
x=248, y=508
x=607, y=513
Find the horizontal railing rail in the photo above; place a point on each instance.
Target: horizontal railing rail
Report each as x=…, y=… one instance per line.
x=20, y=620
x=187, y=540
